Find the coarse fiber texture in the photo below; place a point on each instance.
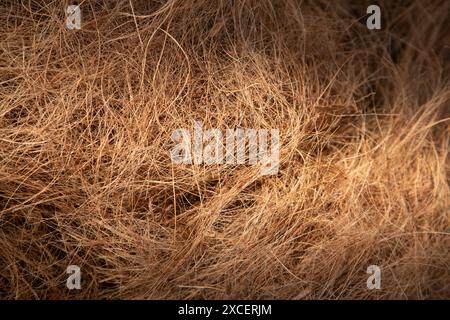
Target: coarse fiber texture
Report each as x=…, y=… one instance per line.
x=86, y=177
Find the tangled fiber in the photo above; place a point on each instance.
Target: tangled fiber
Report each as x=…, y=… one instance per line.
x=86, y=178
